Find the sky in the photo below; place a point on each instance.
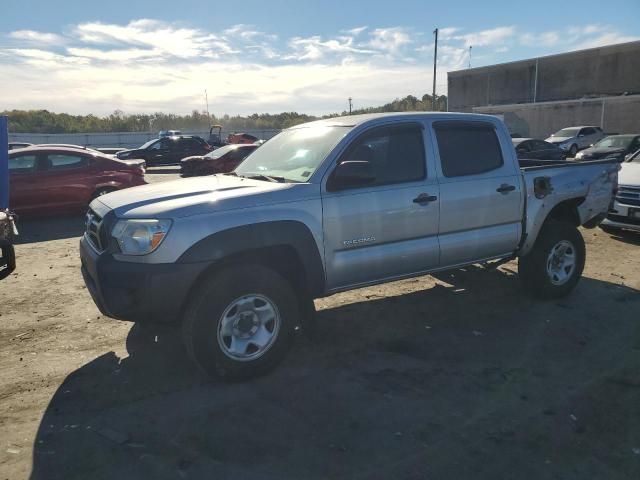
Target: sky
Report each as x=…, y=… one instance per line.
x=271, y=56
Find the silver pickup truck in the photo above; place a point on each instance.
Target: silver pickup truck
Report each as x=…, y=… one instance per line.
x=330, y=206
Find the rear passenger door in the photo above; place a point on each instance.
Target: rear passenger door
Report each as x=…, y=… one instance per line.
x=389, y=227
x=480, y=193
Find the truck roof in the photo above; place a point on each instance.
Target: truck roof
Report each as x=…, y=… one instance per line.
x=356, y=120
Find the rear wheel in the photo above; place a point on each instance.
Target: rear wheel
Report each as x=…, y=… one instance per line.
x=240, y=323
x=553, y=267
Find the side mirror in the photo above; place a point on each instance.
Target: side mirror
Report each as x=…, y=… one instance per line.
x=352, y=173
x=580, y=135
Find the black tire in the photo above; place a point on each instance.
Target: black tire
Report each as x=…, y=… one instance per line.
x=533, y=268
x=573, y=150
x=212, y=299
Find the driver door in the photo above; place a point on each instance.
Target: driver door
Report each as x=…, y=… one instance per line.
x=389, y=227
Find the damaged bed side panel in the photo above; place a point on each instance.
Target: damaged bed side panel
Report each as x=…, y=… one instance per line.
x=587, y=188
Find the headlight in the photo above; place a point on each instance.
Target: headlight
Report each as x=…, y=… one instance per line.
x=564, y=146
x=579, y=155
x=139, y=237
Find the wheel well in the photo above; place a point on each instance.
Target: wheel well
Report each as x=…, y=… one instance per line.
x=567, y=211
x=282, y=258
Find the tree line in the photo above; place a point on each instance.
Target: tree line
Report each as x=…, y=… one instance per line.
x=43, y=121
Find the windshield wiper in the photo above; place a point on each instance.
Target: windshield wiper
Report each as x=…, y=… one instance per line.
x=269, y=178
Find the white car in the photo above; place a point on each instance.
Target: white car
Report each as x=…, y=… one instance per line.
x=625, y=212
x=572, y=139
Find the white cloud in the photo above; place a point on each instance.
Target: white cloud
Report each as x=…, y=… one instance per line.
x=546, y=39
x=483, y=38
x=315, y=48
x=389, y=39
x=36, y=37
x=165, y=38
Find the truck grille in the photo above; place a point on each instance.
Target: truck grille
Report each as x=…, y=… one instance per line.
x=92, y=224
x=628, y=195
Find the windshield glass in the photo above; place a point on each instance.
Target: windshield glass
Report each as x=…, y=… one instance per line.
x=566, y=132
x=218, y=152
x=615, y=142
x=293, y=154
x=148, y=144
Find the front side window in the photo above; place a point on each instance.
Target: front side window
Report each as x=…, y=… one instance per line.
x=65, y=161
x=22, y=164
x=396, y=154
x=469, y=148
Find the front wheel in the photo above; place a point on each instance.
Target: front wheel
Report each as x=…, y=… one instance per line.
x=240, y=322
x=573, y=150
x=554, y=266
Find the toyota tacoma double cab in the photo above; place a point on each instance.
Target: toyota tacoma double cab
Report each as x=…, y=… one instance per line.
x=329, y=206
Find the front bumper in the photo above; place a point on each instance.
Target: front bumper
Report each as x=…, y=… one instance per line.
x=139, y=292
x=618, y=217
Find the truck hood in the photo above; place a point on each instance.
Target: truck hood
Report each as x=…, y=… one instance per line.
x=629, y=174
x=192, y=196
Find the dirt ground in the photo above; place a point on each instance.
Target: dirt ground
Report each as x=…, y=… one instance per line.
x=456, y=376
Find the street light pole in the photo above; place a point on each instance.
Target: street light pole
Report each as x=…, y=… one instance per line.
x=350, y=105
x=435, y=61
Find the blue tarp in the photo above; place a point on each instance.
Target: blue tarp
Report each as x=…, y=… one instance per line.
x=4, y=163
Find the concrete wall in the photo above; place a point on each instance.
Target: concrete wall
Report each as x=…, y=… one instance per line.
x=115, y=139
x=597, y=72
x=539, y=120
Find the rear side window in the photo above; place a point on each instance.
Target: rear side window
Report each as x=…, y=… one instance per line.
x=64, y=161
x=396, y=154
x=587, y=131
x=22, y=164
x=467, y=148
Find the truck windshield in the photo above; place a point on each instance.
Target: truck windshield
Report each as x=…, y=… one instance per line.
x=293, y=154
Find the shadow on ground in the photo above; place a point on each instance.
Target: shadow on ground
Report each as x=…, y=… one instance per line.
x=626, y=236
x=34, y=230
x=468, y=379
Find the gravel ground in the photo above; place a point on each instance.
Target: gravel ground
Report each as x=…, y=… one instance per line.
x=459, y=375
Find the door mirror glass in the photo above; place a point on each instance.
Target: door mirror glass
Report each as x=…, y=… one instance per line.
x=352, y=173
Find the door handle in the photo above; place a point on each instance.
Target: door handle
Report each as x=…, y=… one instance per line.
x=504, y=188
x=424, y=198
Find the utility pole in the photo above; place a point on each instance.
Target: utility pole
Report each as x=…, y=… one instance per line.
x=350, y=105
x=435, y=61
x=206, y=99
x=470, y=47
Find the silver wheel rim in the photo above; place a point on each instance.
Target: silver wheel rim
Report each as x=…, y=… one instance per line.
x=248, y=327
x=561, y=262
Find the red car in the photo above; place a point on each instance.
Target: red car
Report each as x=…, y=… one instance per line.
x=48, y=180
x=221, y=160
